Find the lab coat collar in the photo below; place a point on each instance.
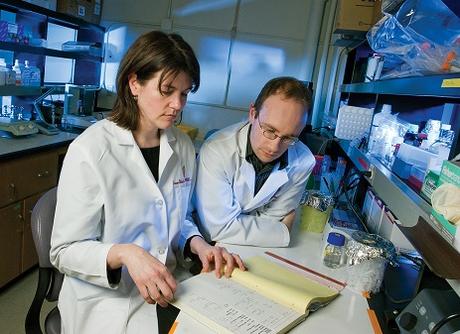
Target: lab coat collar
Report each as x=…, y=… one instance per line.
x=276, y=179
x=241, y=140
x=125, y=137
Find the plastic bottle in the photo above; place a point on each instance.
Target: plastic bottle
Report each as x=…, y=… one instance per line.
x=17, y=70
x=25, y=74
x=334, y=251
x=379, y=143
x=3, y=72
x=10, y=77
x=35, y=78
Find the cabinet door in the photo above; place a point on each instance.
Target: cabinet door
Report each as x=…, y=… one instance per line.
x=26, y=176
x=29, y=253
x=11, y=218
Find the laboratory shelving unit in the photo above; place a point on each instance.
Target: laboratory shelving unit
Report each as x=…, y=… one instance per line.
x=26, y=175
x=35, y=19
x=415, y=99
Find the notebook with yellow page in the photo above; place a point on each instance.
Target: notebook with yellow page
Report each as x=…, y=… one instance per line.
x=267, y=298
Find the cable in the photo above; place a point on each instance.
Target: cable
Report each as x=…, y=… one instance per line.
x=357, y=214
x=345, y=190
x=353, y=184
x=444, y=321
x=324, y=145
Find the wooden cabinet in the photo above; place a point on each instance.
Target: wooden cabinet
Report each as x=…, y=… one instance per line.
x=22, y=181
x=27, y=175
x=10, y=241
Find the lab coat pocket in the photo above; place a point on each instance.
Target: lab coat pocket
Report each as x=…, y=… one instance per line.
x=182, y=193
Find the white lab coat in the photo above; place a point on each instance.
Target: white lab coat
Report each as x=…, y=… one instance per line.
x=108, y=195
x=224, y=193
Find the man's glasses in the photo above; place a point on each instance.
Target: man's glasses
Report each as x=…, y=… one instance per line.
x=270, y=134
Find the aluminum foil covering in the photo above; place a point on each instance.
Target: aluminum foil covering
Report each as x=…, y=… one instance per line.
x=364, y=246
x=317, y=200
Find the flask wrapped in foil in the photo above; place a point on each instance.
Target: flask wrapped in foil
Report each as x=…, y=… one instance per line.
x=315, y=210
x=368, y=255
x=363, y=246
x=317, y=200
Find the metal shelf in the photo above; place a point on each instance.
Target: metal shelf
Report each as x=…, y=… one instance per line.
x=55, y=17
x=403, y=201
x=411, y=210
x=433, y=247
x=20, y=90
x=358, y=158
x=47, y=52
x=440, y=86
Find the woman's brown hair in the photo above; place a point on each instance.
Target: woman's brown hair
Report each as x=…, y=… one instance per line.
x=152, y=52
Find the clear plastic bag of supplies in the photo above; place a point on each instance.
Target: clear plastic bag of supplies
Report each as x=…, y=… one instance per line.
x=387, y=131
x=423, y=37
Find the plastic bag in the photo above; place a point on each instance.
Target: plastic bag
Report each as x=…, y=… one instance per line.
x=423, y=37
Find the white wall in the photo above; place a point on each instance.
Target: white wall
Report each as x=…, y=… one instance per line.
x=240, y=45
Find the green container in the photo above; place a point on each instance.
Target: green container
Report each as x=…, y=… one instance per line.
x=314, y=220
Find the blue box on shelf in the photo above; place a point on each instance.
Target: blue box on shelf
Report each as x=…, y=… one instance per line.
x=401, y=168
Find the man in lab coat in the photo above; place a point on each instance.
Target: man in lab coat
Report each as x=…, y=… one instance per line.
x=251, y=175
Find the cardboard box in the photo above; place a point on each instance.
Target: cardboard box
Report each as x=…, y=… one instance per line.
x=88, y=10
x=429, y=185
x=390, y=230
x=354, y=15
x=368, y=200
x=376, y=212
x=450, y=173
x=377, y=12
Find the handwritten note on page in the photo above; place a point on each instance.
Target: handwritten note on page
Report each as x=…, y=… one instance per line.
x=238, y=309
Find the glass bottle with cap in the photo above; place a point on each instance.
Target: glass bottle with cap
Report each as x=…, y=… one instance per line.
x=334, y=250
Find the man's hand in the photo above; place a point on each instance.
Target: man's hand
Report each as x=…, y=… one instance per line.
x=215, y=258
x=153, y=280
x=288, y=220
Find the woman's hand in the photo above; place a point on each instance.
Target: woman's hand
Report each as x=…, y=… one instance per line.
x=153, y=280
x=215, y=258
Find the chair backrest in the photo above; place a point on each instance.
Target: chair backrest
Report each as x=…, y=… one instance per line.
x=49, y=278
x=42, y=225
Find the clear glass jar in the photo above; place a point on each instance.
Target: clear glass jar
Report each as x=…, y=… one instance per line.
x=334, y=251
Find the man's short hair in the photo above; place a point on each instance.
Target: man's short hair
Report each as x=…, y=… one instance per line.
x=289, y=87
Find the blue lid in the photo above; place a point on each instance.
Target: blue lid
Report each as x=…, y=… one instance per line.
x=336, y=239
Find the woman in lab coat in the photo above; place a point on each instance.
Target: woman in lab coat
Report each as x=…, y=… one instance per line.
x=122, y=215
